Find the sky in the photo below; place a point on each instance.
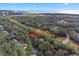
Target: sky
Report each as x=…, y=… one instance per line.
x=40, y=7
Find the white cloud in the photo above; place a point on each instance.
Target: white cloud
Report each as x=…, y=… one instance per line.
x=69, y=11
x=66, y=11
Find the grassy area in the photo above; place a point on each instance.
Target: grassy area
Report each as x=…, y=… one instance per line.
x=46, y=33
x=44, y=46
